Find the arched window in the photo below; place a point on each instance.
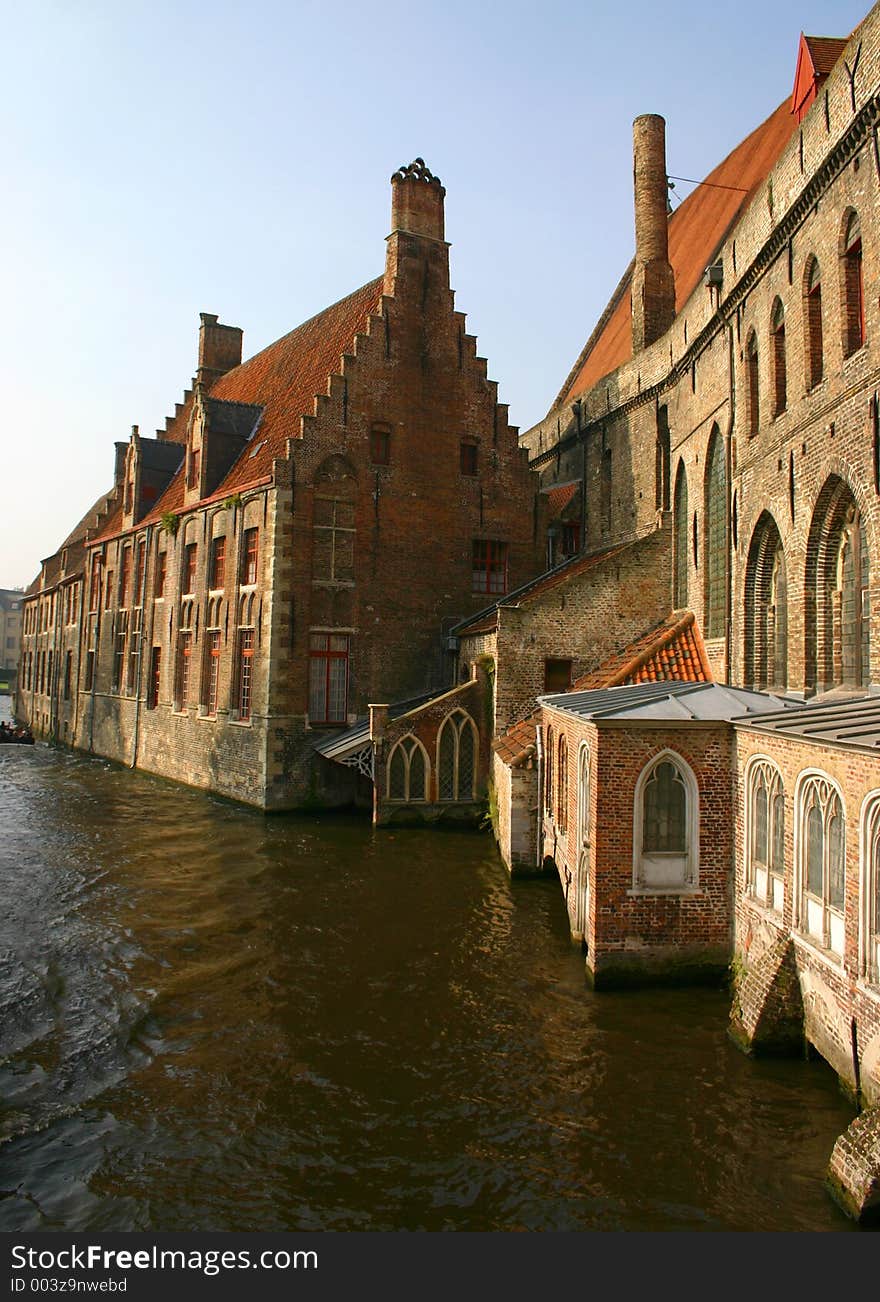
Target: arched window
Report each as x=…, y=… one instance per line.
x=562, y=784
x=548, y=773
x=838, y=610
x=407, y=773
x=666, y=826
x=457, y=757
x=852, y=286
x=680, y=594
x=716, y=537
x=662, y=452
x=752, y=391
x=766, y=609
x=777, y=326
x=813, y=323
x=765, y=833
x=821, y=861
x=869, y=884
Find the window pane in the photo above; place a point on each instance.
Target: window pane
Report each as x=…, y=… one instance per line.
x=778, y=864
x=417, y=774
x=447, y=762
x=835, y=863
x=664, y=827
x=815, y=850
x=760, y=846
x=397, y=775
x=466, y=763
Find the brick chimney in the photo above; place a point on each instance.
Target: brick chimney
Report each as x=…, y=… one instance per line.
x=219, y=348
x=653, y=283
x=416, y=215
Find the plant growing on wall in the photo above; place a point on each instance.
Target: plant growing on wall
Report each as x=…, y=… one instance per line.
x=170, y=522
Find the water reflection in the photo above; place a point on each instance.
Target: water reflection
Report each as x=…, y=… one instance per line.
x=213, y=1020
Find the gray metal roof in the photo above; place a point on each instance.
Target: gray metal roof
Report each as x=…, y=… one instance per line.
x=670, y=701
x=841, y=722
x=339, y=744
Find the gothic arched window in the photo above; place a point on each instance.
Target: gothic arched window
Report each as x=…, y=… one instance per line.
x=716, y=537
x=680, y=594
x=813, y=323
x=821, y=861
x=457, y=757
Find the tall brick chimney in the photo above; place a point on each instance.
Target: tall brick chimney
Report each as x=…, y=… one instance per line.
x=416, y=215
x=653, y=282
x=219, y=348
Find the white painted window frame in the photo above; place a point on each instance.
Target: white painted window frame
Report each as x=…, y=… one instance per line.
x=690, y=882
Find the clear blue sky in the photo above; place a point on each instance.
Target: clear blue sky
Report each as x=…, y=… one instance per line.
x=164, y=159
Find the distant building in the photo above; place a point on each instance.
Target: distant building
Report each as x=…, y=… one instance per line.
x=10, y=636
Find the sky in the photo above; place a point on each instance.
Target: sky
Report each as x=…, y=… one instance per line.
x=167, y=158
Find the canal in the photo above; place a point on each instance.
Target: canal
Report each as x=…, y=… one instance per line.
x=214, y=1020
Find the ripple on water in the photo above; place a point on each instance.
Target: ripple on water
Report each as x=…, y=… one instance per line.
x=210, y=1019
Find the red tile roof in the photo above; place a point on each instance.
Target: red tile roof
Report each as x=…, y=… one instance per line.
x=559, y=497
x=516, y=746
x=696, y=230
x=825, y=51
x=670, y=651
x=285, y=378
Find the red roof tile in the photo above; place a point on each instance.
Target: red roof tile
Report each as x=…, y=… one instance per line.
x=671, y=651
x=825, y=51
x=696, y=230
x=559, y=497
x=517, y=745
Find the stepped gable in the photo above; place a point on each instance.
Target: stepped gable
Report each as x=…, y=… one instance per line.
x=672, y=651
x=285, y=378
x=696, y=230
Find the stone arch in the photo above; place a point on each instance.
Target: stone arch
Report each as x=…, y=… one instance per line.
x=837, y=611
x=765, y=605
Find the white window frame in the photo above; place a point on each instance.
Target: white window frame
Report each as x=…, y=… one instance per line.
x=814, y=918
x=649, y=871
x=761, y=882
x=869, y=886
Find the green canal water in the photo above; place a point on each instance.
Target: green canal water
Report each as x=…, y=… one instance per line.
x=214, y=1020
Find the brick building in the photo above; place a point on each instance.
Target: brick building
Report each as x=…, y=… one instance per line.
x=720, y=431
x=295, y=544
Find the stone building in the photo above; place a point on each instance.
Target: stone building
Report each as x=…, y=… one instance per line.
x=296, y=542
x=10, y=635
